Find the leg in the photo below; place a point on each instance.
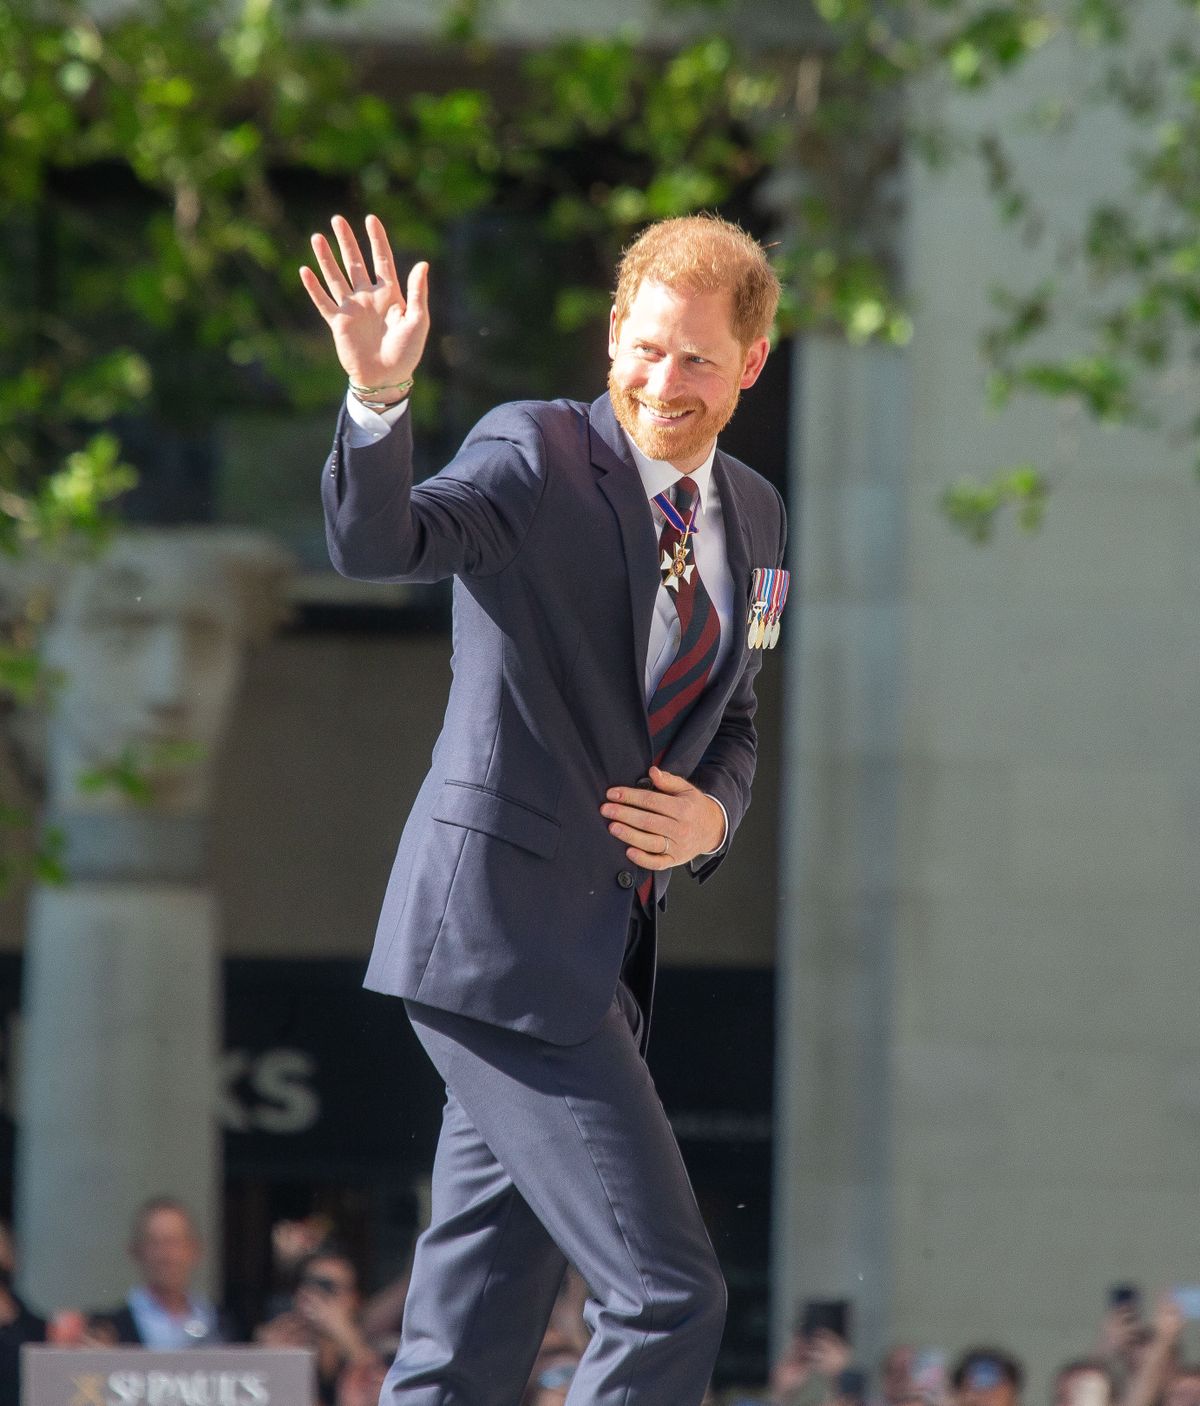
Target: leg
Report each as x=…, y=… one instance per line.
x=583, y=1136
x=485, y=1275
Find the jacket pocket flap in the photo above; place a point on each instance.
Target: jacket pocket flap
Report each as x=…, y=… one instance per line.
x=476, y=809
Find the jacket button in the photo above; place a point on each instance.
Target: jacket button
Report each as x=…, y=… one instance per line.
x=625, y=879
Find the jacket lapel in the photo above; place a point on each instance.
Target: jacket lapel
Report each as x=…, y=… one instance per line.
x=621, y=484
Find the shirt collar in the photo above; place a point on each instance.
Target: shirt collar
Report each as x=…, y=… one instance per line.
x=657, y=474
x=141, y=1300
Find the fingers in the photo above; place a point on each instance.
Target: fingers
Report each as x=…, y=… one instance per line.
x=670, y=783
x=418, y=291
x=650, y=841
x=339, y=289
x=654, y=822
x=381, y=252
x=356, y=265
x=639, y=798
x=645, y=860
x=357, y=278
x=312, y=284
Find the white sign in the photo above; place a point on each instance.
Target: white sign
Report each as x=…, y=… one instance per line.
x=135, y=1376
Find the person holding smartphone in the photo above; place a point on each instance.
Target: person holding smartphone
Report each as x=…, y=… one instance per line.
x=814, y=1366
x=324, y=1316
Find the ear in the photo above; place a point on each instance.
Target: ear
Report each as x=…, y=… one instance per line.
x=756, y=359
x=613, y=329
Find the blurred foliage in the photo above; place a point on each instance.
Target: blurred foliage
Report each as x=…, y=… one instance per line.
x=973, y=506
x=160, y=173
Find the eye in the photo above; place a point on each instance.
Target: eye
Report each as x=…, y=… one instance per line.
x=698, y=360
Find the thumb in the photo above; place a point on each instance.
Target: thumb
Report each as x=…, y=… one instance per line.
x=667, y=781
x=418, y=290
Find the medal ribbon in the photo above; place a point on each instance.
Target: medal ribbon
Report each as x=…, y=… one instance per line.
x=769, y=591
x=779, y=580
x=674, y=517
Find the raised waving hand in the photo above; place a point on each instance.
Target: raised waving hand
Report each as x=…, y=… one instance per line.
x=379, y=330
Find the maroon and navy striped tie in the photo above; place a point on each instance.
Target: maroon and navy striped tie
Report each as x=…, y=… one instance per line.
x=699, y=639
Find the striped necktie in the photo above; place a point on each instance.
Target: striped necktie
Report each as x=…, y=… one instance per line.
x=699, y=628
x=699, y=634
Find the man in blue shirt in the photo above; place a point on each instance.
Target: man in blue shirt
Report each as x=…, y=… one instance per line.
x=163, y=1311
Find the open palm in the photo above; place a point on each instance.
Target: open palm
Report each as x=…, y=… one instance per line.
x=379, y=331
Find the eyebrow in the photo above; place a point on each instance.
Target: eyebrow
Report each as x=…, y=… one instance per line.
x=687, y=350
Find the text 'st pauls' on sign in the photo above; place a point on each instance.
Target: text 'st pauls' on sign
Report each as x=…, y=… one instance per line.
x=135, y=1376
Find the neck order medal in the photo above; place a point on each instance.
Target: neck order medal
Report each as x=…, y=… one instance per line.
x=675, y=565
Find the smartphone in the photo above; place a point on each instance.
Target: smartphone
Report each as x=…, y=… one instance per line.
x=833, y=1315
x=1125, y=1296
x=851, y=1385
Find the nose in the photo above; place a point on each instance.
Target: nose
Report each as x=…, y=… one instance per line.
x=665, y=382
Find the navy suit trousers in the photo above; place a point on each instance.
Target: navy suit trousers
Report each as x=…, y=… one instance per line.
x=550, y=1153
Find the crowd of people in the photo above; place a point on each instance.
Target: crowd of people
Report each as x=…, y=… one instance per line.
x=1136, y=1359
x=318, y=1305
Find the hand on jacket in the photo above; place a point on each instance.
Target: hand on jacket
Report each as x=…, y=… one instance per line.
x=378, y=333
x=674, y=812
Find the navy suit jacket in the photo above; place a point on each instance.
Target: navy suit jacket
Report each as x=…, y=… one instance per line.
x=509, y=900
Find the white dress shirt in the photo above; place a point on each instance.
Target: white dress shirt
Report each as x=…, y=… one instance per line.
x=367, y=426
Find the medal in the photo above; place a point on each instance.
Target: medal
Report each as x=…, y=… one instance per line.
x=768, y=592
x=676, y=566
x=753, y=620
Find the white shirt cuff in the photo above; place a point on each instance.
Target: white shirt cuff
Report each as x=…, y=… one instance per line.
x=724, y=833
x=366, y=425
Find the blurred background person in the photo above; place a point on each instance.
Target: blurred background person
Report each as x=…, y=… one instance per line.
x=292, y=1241
x=164, y=1310
x=18, y=1323
x=1123, y=1334
x=896, y=1375
x=325, y=1316
x=1184, y=1387
x=1084, y=1382
x=360, y=1384
x=816, y=1355
x=552, y=1376
x=987, y=1376
x=1155, y=1356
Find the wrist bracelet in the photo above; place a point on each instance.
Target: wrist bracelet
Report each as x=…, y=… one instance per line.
x=391, y=386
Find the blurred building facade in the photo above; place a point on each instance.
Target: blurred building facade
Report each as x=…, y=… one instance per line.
x=989, y=1053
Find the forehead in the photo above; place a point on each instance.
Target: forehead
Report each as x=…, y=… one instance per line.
x=704, y=320
x=166, y=1220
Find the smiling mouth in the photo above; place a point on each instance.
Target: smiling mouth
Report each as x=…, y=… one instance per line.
x=665, y=417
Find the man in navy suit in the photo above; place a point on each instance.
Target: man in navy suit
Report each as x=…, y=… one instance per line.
x=599, y=733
